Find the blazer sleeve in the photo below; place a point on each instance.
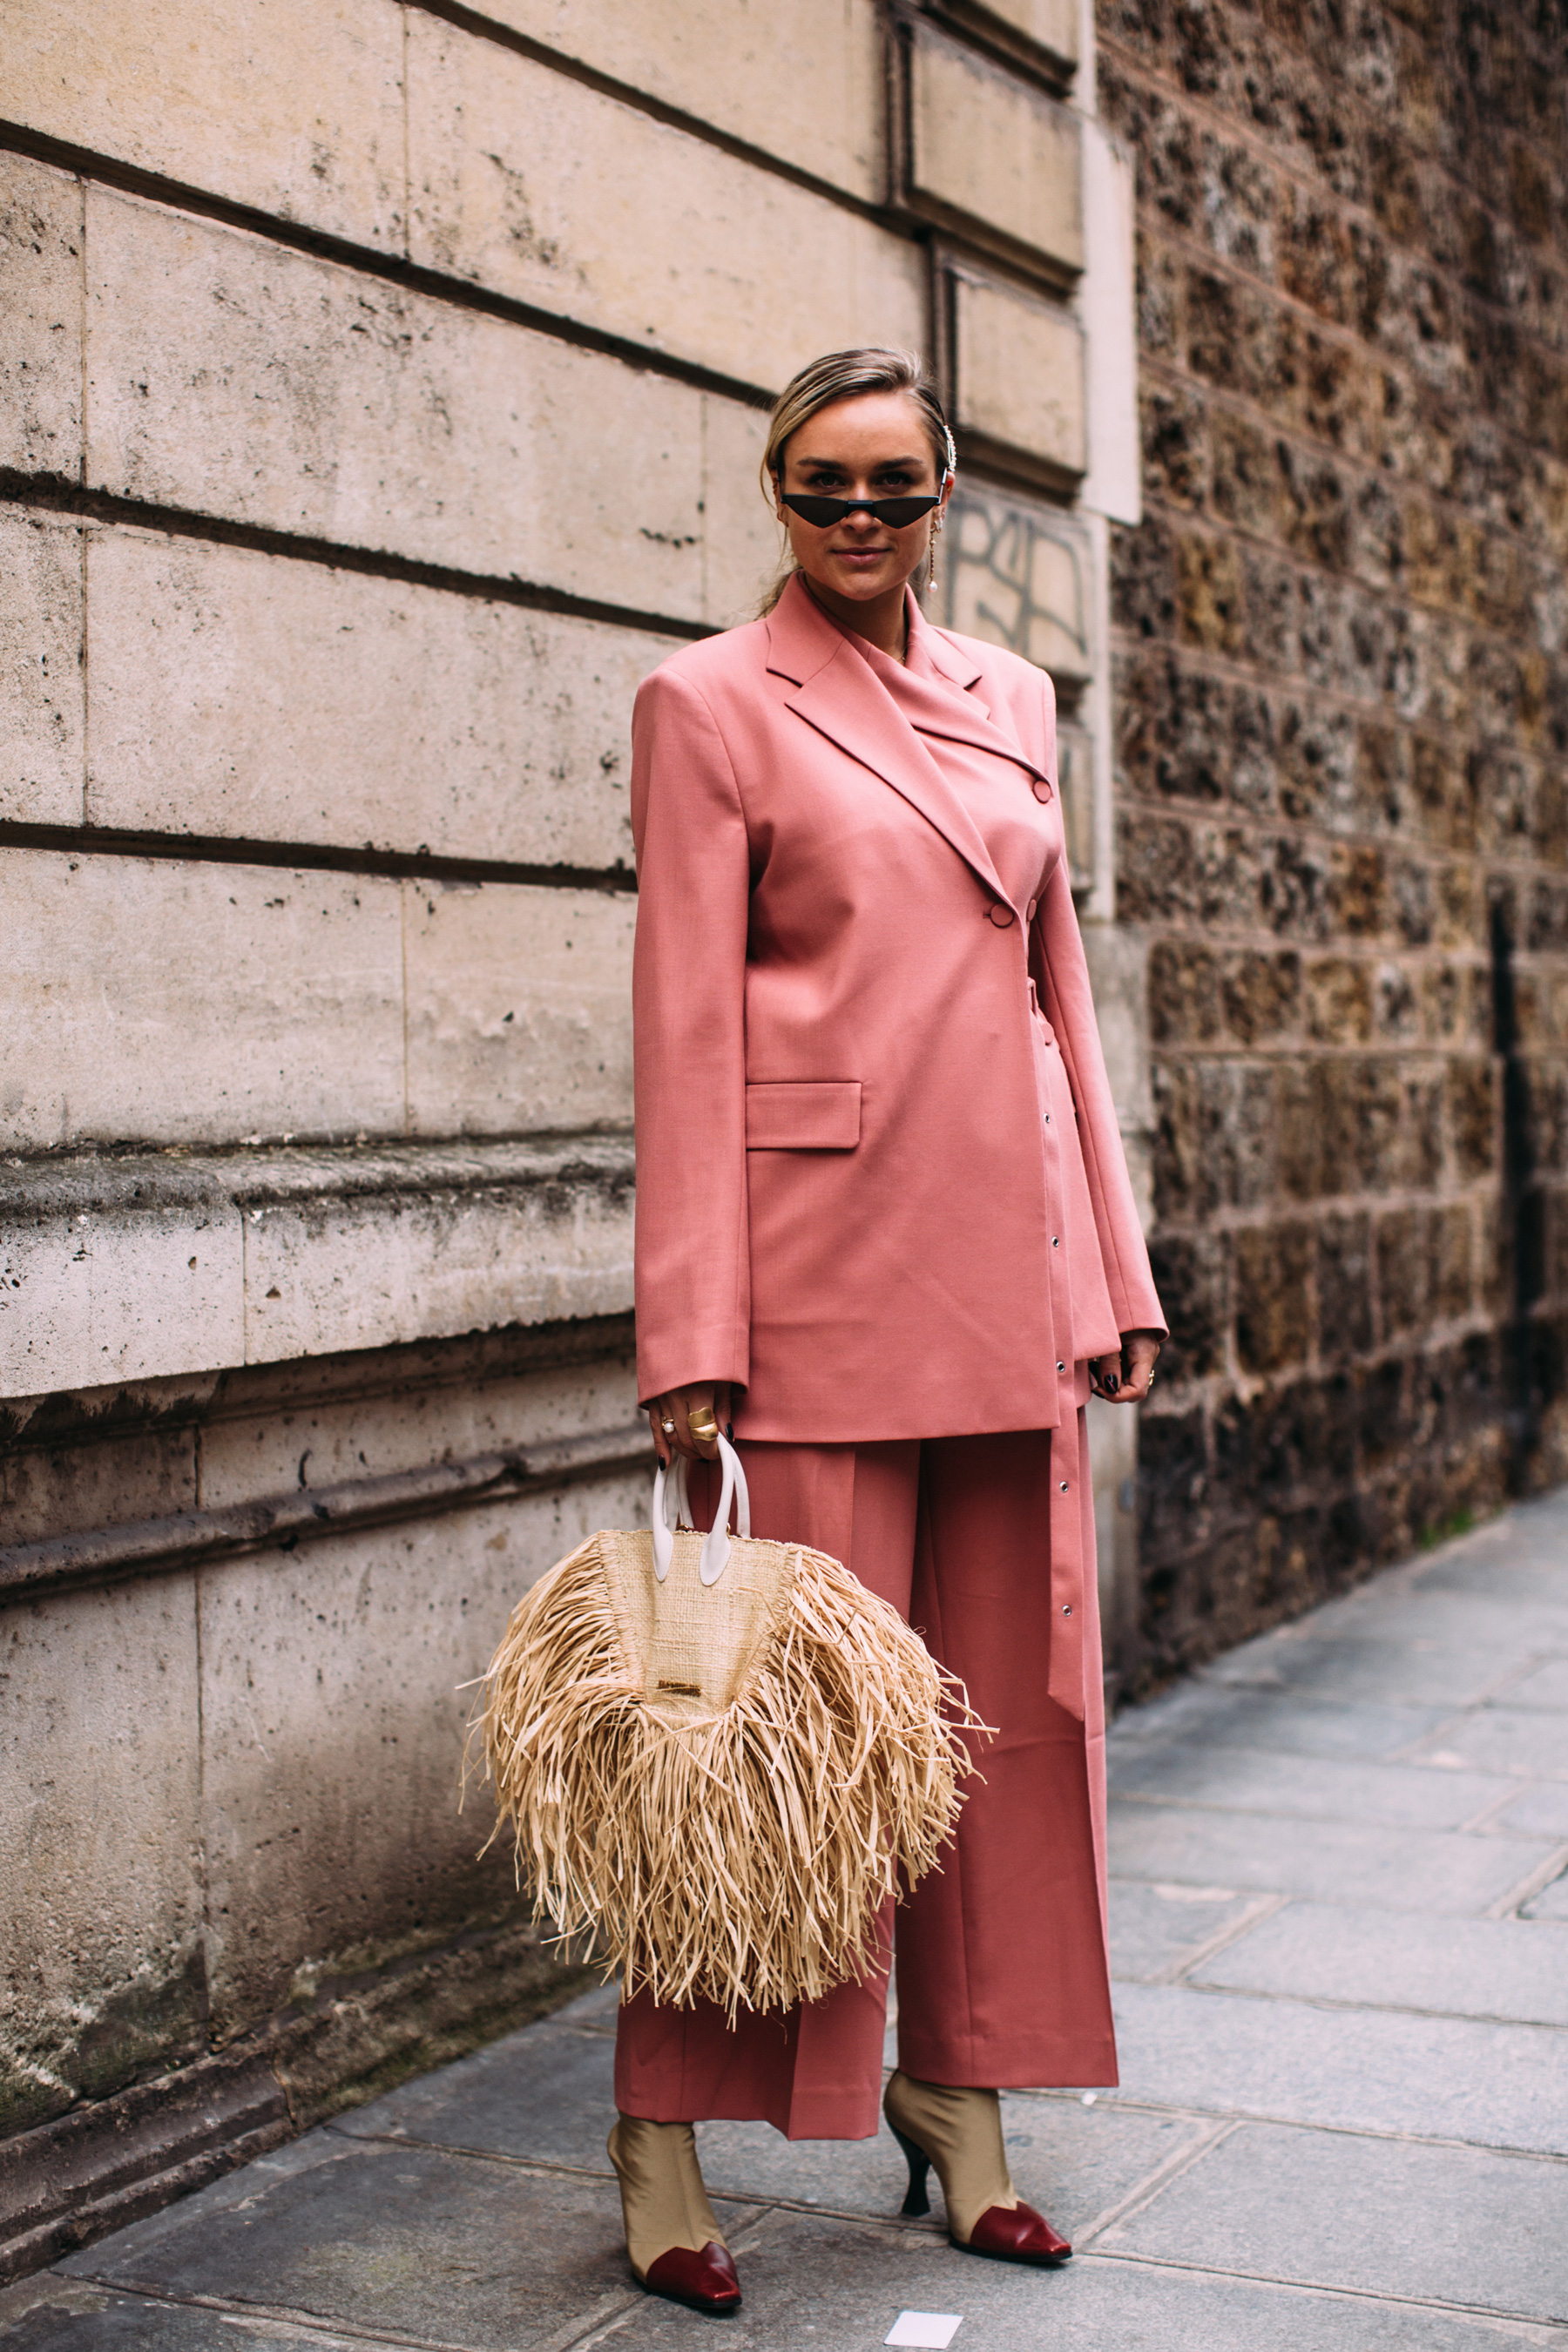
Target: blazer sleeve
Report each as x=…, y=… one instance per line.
x=1061, y=975
x=689, y=976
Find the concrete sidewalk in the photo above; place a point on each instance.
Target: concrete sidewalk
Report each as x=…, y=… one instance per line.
x=1341, y=1926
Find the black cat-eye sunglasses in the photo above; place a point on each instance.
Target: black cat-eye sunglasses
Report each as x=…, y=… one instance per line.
x=897, y=513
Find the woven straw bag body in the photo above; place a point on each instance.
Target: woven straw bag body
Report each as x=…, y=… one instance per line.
x=720, y=1756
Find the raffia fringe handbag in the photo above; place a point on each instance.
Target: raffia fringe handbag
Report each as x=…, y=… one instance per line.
x=719, y=1754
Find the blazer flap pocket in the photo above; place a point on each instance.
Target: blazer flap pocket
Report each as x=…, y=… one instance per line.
x=804, y=1114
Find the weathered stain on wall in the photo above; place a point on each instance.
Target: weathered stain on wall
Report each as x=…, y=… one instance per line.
x=1342, y=643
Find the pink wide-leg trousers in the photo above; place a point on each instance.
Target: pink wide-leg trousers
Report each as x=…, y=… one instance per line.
x=986, y=1545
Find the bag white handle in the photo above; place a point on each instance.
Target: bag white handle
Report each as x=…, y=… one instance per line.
x=671, y=1509
x=715, y=1554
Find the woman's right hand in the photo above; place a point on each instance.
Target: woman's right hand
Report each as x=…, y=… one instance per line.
x=667, y=1418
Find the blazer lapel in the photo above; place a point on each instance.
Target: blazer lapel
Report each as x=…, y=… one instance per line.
x=961, y=717
x=839, y=694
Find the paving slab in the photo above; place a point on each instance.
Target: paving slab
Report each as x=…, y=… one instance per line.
x=546, y=2093
x=1336, y=2211
x=1131, y=2305
x=821, y=2286
x=1157, y=1931
x=406, y=2241
x=1513, y=1740
x=1417, y=1673
x=127, y=2323
x=1073, y=2162
x=1542, y=1811
x=1546, y=1686
x=1518, y=1555
x=1291, y=1722
x=1347, y=2070
x=1324, y=1862
x=1504, y=1968
x=1524, y=1615
x=1551, y=1903
x=1332, y=1788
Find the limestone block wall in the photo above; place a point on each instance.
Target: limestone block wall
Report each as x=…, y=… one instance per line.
x=381, y=395
x=1342, y=687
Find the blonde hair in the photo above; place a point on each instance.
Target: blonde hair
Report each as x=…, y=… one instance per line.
x=842, y=375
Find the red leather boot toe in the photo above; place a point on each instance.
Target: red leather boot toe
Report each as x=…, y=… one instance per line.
x=1018, y=2234
x=704, y=2282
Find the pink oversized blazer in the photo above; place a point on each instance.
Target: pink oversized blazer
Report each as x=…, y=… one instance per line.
x=843, y=1198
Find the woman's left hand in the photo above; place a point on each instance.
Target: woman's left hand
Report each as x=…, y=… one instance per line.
x=1126, y=1379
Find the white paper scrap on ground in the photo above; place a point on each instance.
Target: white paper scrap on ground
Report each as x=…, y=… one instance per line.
x=936, y=2328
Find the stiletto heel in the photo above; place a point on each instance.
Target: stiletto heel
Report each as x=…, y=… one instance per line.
x=918, y=2201
x=961, y=2134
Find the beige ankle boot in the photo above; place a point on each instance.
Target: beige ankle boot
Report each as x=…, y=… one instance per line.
x=676, y=2245
x=959, y=2131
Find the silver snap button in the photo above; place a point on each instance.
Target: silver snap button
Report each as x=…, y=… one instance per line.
x=1067, y=1608
x=1047, y=1119
x=1054, y=1243
x=1060, y=1366
x=1064, y=1485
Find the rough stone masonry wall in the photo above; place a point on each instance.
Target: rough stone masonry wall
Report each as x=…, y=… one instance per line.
x=1343, y=777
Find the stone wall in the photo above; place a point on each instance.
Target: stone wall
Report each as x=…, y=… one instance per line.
x=381, y=395
x=1341, y=742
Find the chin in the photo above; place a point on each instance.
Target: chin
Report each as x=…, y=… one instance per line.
x=866, y=584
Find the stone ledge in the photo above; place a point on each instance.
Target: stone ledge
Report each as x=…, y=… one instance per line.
x=149, y=1265
x=180, y=1539
x=1036, y=38
x=66, y=2183
x=92, y=1183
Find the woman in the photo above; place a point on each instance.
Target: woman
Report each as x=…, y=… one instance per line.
x=884, y=1226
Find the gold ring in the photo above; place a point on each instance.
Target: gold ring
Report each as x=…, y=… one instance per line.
x=702, y=1423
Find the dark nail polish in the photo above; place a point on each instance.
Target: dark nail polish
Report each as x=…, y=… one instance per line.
x=1112, y=1384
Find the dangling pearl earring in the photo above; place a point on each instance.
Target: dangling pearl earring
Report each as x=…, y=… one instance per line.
x=931, y=549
